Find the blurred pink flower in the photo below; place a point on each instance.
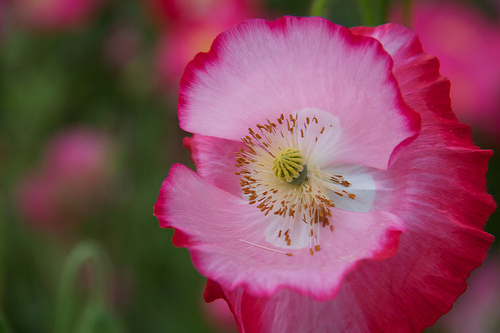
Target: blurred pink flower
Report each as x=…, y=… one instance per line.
x=75, y=175
x=186, y=12
x=121, y=45
x=49, y=15
x=2, y=13
x=192, y=27
x=335, y=191
x=179, y=45
x=467, y=44
x=478, y=309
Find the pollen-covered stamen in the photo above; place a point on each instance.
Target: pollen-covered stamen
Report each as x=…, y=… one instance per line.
x=289, y=166
x=279, y=175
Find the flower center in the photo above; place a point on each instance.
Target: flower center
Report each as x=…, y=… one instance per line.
x=280, y=173
x=289, y=166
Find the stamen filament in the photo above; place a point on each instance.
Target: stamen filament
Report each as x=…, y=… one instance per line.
x=278, y=175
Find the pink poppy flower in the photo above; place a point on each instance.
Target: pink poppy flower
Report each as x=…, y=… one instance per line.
x=121, y=46
x=335, y=190
x=176, y=48
x=190, y=34
x=75, y=175
x=194, y=11
x=55, y=14
x=477, y=310
x=2, y=19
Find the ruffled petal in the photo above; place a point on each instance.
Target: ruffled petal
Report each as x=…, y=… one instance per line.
x=443, y=165
x=395, y=295
x=260, y=70
x=379, y=296
x=225, y=237
x=427, y=273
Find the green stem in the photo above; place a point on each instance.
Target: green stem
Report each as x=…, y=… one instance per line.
x=67, y=303
x=367, y=15
x=96, y=318
x=319, y=8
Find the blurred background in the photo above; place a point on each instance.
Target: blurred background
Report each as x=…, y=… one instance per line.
x=88, y=131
